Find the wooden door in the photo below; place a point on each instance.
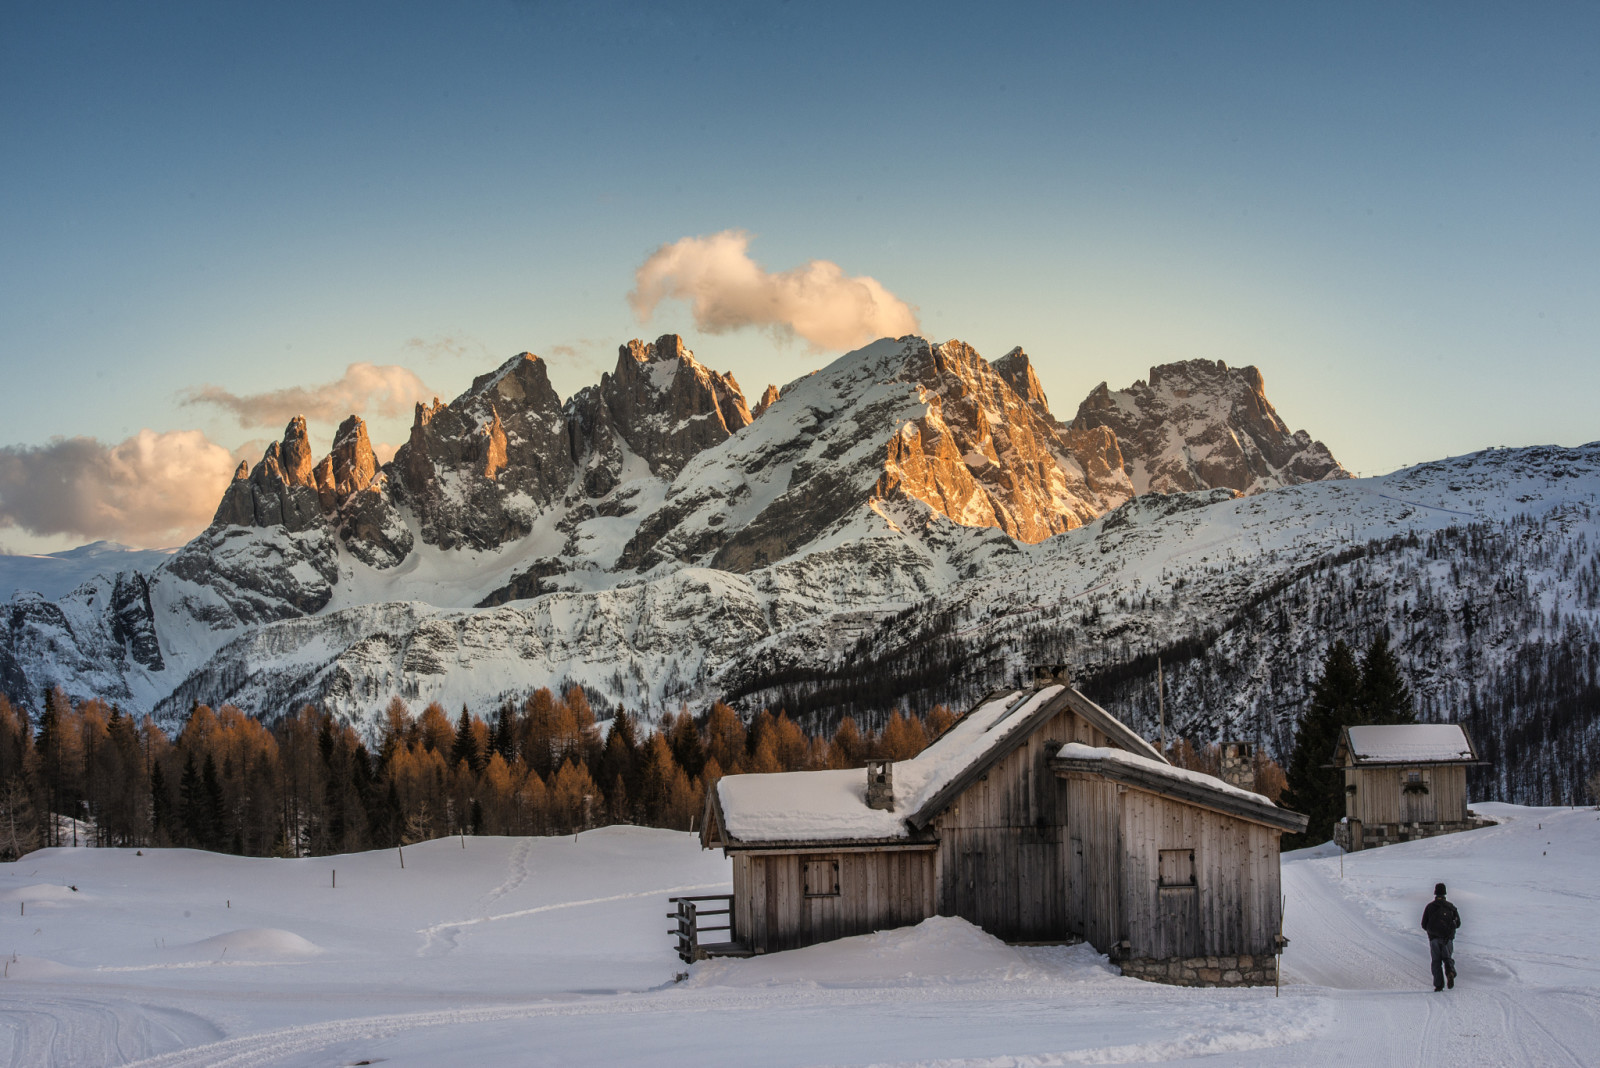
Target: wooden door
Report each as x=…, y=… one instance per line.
x=1415, y=806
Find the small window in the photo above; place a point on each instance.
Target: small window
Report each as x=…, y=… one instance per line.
x=1413, y=776
x=1177, y=867
x=821, y=878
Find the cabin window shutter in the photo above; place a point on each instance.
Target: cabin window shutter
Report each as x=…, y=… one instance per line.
x=821, y=877
x=1177, y=867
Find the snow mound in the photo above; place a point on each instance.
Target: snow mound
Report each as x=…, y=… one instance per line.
x=251, y=943
x=941, y=950
x=50, y=894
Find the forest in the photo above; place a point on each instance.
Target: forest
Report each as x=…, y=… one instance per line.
x=308, y=786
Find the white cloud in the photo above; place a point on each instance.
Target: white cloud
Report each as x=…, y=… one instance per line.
x=727, y=290
x=152, y=489
x=386, y=390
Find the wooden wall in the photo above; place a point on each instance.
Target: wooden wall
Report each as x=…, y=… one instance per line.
x=1002, y=845
x=1380, y=795
x=1233, y=905
x=877, y=890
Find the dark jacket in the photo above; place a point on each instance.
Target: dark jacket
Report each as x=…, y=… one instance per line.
x=1440, y=919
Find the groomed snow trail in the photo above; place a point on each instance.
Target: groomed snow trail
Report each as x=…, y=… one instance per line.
x=1357, y=943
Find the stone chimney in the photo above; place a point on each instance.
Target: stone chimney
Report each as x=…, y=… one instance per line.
x=880, y=785
x=1050, y=675
x=1238, y=765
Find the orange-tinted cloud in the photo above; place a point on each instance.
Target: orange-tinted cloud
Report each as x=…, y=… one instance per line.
x=386, y=390
x=727, y=290
x=153, y=489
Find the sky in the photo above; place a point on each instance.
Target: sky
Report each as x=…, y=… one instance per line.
x=213, y=214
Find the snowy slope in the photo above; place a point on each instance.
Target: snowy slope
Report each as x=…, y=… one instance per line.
x=54, y=575
x=554, y=951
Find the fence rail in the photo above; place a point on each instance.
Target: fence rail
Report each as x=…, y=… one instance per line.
x=690, y=913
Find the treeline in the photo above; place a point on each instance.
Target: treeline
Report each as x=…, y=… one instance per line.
x=309, y=785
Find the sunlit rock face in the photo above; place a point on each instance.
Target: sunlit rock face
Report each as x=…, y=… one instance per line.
x=985, y=454
x=1200, y=424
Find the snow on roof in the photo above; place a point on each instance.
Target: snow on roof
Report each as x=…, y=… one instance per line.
x=1078, y=751
x=809, y=806
x=1410, y=743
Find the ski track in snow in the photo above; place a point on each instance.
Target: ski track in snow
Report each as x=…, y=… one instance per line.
x=450, y=928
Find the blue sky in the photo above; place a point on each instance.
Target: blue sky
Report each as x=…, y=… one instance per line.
x=1390, y=209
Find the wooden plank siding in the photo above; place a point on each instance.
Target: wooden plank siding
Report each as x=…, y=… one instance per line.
x=1380, y=795
x=877, y=891
x=1233, y=906
x=1002, y=843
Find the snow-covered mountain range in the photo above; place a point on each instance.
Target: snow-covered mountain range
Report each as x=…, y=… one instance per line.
x=911, y=520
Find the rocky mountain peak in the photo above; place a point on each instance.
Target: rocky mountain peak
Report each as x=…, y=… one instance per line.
x=295, y=454
x=280, y=491
x=768, y=399
x=1017, y=370
x=984, y=454
x=1198, y=424
x=349, y=468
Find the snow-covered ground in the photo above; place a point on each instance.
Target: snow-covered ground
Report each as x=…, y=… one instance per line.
x=555, y=951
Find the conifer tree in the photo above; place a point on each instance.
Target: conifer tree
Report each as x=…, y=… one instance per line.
x=1385, y=697
x=1314, y=786
x=466, y=745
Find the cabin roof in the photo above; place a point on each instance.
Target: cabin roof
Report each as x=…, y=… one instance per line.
x=1407, y=743
x=831, y=806
x=1179, y=784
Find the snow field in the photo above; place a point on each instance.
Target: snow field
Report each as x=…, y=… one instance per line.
x=554, y=951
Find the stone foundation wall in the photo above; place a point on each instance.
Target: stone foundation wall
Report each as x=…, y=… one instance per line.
x=1352, y=835
x=1242, y=970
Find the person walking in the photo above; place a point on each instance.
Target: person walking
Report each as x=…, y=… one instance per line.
x=1441, y=920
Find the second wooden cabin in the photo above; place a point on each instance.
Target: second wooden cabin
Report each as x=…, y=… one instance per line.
x=1038, y=816
x=1403, y=782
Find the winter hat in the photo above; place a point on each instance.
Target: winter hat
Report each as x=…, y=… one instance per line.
x=1438, y=889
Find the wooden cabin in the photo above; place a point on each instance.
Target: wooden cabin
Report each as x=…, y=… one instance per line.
x=1402, y=782
x=1038, y=816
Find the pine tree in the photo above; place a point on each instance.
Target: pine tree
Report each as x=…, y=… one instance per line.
x=160, y=806
x=1315, y=787
x=466, y=746
x=1385, y=697
x=191, y=803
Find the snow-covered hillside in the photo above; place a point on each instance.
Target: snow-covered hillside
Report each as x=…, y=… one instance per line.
x=554, y=951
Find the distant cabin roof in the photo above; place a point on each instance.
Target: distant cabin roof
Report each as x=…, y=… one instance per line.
x=831, y=806
x=1410, y=743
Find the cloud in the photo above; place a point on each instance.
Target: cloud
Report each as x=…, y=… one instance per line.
x=152, y=489
x=387, y=390
x=446, y=348
x=727, y=290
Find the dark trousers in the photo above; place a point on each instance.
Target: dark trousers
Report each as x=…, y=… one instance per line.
x=1444, y=959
